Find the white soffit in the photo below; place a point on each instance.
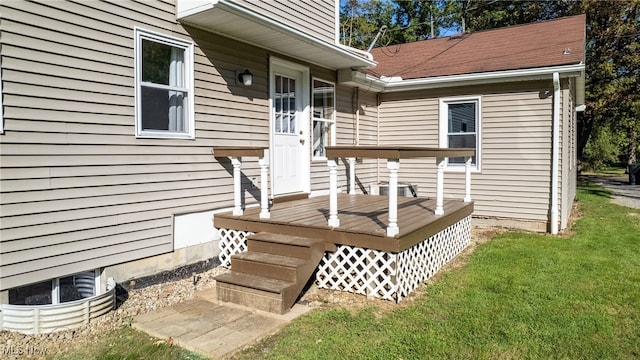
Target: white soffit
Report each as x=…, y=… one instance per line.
x=235, y=21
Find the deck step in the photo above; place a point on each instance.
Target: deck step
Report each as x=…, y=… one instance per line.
x=254, y=291
x=268, y=265
x=294, y=246
x=272, y=273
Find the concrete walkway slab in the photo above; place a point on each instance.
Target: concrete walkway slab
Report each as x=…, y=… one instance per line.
x=213, y=328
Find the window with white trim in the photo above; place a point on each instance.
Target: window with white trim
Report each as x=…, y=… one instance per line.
x=460, y=124
x=58, y=290
x=323, y=117
x=164, y=86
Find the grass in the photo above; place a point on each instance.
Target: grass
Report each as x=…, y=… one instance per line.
x=129, y=344
x=519, y=296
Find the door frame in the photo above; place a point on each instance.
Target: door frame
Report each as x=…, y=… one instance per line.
x=304, y=120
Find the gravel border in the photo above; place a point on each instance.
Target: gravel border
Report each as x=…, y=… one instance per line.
x=134, y=298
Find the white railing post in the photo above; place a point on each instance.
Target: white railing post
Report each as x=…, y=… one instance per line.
x=352, y=175
x=440, y=186
x=237, y=188
x=393, y=165
x=264, y=192
x=467, y=179
x=333, y=192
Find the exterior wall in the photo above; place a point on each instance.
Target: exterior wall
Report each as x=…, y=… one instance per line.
x=348, y=132
x=78, y=189
x=315, y=17
x=516, y=149
x=569, y=152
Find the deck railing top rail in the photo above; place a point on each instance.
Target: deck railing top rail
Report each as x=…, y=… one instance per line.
x=393, y=154
x=396, y=152
x=236, y=153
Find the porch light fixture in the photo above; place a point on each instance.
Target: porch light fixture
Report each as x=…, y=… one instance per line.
x=245, y=78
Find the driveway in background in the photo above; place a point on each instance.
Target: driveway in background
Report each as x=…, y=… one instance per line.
x=623, y=193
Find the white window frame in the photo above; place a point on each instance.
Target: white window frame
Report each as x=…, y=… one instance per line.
x=187, y=46
x=332, y=121
x=444, y=129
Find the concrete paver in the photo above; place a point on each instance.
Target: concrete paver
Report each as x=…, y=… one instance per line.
x=213, y=328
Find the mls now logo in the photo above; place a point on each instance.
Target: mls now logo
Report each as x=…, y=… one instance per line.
x=23, y=350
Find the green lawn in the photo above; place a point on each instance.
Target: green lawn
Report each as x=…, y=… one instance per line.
x=519, y=296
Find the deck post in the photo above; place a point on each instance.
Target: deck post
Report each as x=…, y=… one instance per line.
x=333, y=192
x=393, y=165
x=264, y=192
x=467, y=179
x=440, y=186
x=352, y=175
x=237, y=185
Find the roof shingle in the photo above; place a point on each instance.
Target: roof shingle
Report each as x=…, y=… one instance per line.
x=526, y=46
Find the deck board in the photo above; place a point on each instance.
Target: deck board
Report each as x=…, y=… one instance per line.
x=363, y=220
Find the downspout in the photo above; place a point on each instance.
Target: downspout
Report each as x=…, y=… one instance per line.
x=555, y=153
x=378, y=101
x=356, y=96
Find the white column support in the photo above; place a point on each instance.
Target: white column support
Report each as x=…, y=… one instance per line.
x=352, y=175
x=264, y=191
x=467, y=179
x=237, y=188
x=440, y=186
x=393, y=165
x=333, y=192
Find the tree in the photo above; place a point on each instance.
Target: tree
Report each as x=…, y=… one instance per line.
x=612, y=50
x=613, y=63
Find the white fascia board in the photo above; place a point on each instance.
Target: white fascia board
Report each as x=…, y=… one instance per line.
x=356, y=78
x=484, y=78
x=198, y=7
x=185, y=8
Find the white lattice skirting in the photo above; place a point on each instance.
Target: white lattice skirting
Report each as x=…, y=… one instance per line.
x=385, y=275
x=391, y=276
x=231, y=242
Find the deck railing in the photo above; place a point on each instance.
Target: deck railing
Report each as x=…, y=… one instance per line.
x=236, y=153
x=393, y=154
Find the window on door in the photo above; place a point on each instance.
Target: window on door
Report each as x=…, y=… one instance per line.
x=460, y=121
x=323, y=117
x=164, y=86
x=285, y=105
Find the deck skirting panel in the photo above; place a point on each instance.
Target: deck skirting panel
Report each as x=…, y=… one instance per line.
x=388, y=275
x=231, y=242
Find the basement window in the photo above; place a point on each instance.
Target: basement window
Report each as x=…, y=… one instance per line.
x=58, y=290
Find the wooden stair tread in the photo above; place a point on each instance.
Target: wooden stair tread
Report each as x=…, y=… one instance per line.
x=285, y=239
x=261, y=257
x=254, y=282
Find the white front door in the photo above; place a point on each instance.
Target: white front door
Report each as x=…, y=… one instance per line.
x=289, y=128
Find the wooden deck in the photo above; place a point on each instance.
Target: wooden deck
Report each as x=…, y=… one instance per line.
x=363, y=220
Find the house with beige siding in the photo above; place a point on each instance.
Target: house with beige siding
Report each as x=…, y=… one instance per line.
x=510, y=93
x=110, y=112
x=141, y=136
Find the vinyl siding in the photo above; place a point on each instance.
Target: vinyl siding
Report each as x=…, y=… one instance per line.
x=315, y=17
x=366, y=169
x=569, y=158
x=78, y=190
x=516, y=146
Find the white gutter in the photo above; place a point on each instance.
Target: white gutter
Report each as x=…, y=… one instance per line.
x=398, y=84
x=555, y=153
